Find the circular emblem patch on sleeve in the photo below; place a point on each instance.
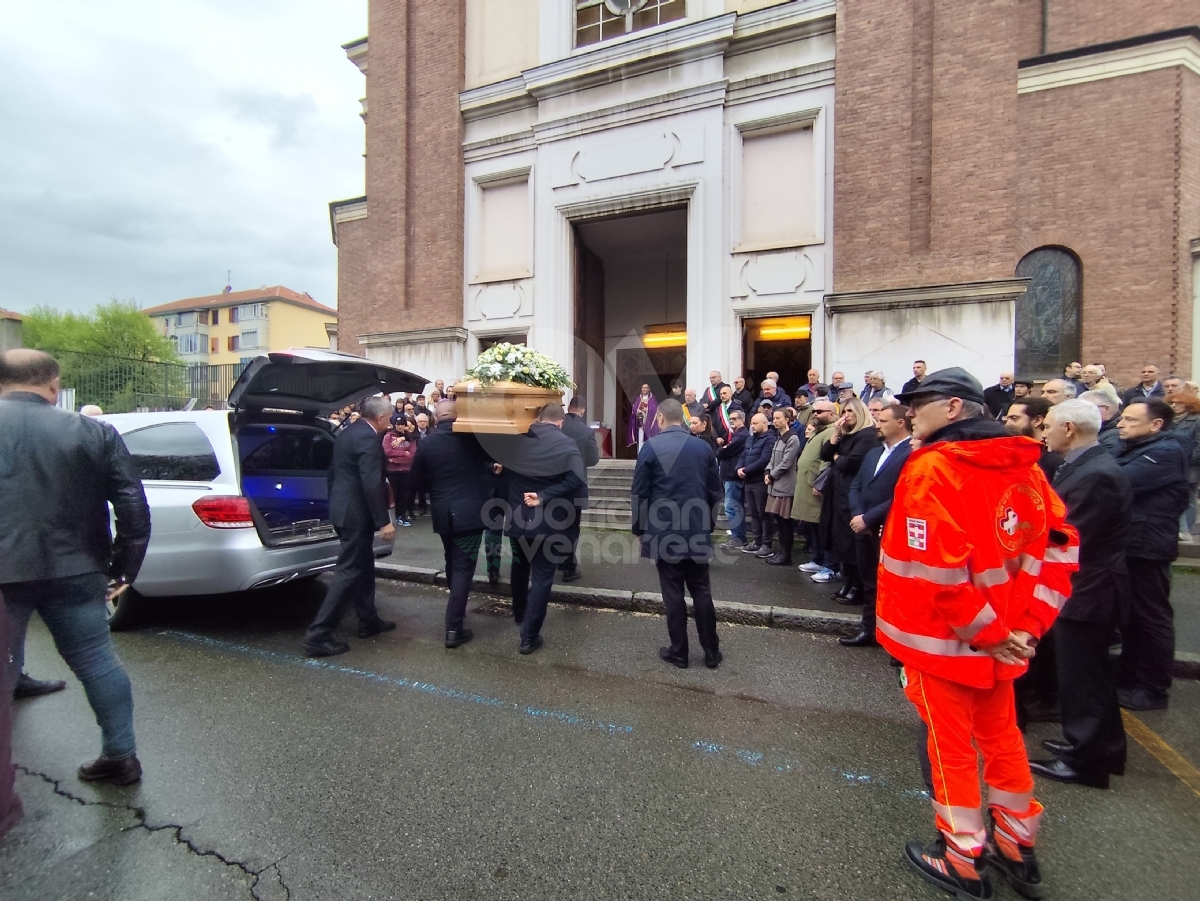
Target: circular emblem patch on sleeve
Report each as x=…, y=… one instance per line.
x=1020, y=517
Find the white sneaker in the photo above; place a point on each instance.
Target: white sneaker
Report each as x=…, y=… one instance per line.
x=825, y=575
x=811, y=567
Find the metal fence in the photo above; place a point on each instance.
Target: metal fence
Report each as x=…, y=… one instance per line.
x=124, y=385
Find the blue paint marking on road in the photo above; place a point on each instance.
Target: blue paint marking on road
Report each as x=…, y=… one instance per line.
x=556, y=716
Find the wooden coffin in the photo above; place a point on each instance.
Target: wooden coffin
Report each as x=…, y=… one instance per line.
x=502, y=408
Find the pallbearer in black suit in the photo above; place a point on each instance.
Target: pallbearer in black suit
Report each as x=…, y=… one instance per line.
x=358, y=509
x=870, y=500
x=675, y=489
x=576, y=428
x=457, y=473
x=546, y=480
x=1099, y=501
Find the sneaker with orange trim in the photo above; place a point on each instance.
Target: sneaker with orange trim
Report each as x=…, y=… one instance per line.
x=951, y=871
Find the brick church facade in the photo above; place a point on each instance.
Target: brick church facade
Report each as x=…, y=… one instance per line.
x=649, y=189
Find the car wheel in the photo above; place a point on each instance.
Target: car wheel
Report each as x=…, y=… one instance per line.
x=125, y=611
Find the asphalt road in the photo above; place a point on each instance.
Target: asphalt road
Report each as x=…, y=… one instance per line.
x=590, y=770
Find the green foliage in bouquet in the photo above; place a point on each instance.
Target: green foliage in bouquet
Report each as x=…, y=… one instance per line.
x=517, y=363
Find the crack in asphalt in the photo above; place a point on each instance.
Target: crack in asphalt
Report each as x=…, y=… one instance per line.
x=175, y=828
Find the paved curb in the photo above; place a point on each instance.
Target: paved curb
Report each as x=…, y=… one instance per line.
x=1187, y=666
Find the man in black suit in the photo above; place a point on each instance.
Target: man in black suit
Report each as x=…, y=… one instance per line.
x=358, y=509
x=675, y=488
x=576, y=428
x=712, y=394
x=1000, y=395
x=1099, y=503
x=457, y=473
x=870, y=500
x=546, y=481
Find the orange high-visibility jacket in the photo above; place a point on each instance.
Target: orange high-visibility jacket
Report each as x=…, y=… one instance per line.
x=976, y=545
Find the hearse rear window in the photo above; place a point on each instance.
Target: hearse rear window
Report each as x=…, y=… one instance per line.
x=173, y=452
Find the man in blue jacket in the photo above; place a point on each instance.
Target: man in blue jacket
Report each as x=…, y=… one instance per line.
x=1157, y=467
x=729, y=451
x=756, y=456
x=675, y=489
x=871, y=495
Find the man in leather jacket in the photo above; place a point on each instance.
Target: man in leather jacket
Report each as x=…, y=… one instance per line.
x=58, y=473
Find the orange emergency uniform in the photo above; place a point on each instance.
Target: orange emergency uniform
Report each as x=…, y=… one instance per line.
x=976, y=545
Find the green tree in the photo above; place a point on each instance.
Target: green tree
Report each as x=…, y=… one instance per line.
x=113, y=356
x=116, y=329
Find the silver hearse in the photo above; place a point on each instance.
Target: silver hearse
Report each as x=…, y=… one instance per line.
x=238, y=497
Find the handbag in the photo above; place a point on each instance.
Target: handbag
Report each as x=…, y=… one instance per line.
x=822, y=477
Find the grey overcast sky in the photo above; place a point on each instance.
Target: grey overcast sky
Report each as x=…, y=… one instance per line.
x=147, y=146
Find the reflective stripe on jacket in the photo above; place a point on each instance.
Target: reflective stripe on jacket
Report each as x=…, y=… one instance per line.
x=976, y=545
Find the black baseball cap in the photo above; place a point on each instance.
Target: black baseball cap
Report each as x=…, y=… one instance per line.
x=952, y=382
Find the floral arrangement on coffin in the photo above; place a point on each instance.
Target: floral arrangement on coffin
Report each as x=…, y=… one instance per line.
x=503, y=392
x=517, y=363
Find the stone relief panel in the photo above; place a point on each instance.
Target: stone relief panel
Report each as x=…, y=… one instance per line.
x=670, y=150
x=500, y=300
x=777, y=274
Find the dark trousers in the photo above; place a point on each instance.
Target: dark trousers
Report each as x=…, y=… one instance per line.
x=10, y=804
x=672, y=577
x=402, y=492
x=867, y=551
x=759, y=524
x=462, y=552
x=822, y=553
x=571, y=564
x=1148, y=638
x=353, y=583
x=535, y=561
x=1036, y=690
x=1087, y=692
x=493, y=550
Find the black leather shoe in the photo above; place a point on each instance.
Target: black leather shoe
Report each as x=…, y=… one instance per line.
x=712, y=659
x=1060, y=772
x=376, y=628
x=329, y=648
x=1056, y=746
x=1141, y=699
x=572, y=575
x=665, y=654
x=849, y=598
x=125, y=771
x=529, y=645
x=861, y=640
x=841, y=592
x=29, y=687
x=457, y=637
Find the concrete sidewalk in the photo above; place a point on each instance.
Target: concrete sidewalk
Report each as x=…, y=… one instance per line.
x=745, y=590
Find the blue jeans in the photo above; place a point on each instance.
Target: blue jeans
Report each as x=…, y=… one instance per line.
x=733, y=509
x=73, y=611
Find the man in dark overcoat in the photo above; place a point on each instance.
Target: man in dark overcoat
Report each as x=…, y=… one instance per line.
x=675, y=490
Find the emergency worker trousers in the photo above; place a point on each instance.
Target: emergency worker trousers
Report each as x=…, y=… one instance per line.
x=956, y=715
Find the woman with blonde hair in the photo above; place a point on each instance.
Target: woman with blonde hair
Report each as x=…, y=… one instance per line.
x=854, y=435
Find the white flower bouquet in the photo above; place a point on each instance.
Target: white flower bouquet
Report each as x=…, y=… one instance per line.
x=518, y=363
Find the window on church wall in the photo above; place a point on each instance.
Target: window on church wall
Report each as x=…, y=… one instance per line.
x=1048, y=313
x=778, y=188
x=600, y=20
x=503, y=240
